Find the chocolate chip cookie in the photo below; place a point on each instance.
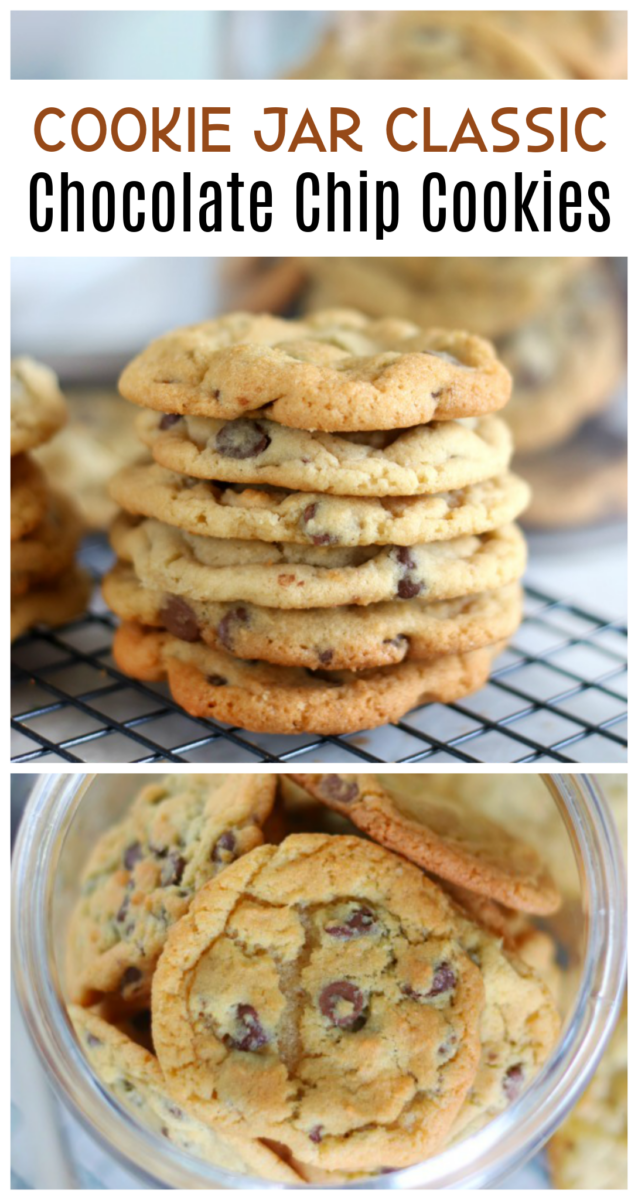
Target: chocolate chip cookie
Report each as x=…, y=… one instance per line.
x=346, y=638
x=270, y=514
x=272, y=699
x=53, y=603
x=283, y=575
x=439, y=457
x=589, y=1150
x=133, y=1075
x=450, y=839
x=318, y=995
x=519, y=1028
x=142, y=875
x=29, y=497
x=335, y=370
x=566, y=363
x=37, y=405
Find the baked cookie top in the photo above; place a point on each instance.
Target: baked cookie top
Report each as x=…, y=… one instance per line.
x=427, y=458
x=449, y=838
x=272, y=514
x=334, y=370
x=344, y=638
x=316, y=994
x=144, y=871
x=134, y=1077
x=38, y=409
x=283, y=575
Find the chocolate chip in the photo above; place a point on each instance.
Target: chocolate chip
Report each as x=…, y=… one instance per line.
x=175, y=1111
x=131, y=975
x=242, y=439
x=316, y=1134
x=132, y=855
x=216, y=680
x=178, y=617
x=123, y=909
x=338, y=787
x=360, y=922
x=235, y=616
x=444, y=980
x=252, y=1034
x=169, y=419
x=513, y=1081
x=323, y=539
x=92, y=1040
x=224, y=848
x=309, y=512
x=172, y=870
x=325, y=656
x=343, y=1004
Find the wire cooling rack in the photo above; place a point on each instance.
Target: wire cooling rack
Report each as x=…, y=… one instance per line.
x=558, y=694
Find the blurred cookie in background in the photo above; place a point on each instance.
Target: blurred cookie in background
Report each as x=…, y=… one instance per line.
x=97, y=441
x=46, y=585
x=567, y=362
x=580, y=482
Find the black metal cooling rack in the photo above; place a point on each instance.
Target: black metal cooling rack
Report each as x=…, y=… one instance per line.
x=558, y=694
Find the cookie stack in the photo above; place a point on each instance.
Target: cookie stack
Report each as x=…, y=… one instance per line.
x=325, y=535
x=46, y=586
x=323, y=1008
x=558, y=326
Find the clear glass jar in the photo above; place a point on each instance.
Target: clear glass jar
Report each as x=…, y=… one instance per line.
x=66, y=812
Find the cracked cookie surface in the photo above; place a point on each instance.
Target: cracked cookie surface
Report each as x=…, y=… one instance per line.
x=334, y=370
x=142, y=875
x=316, y=994
x=134, y=1077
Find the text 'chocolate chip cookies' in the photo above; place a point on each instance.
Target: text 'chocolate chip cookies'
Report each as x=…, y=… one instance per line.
x=319, y=470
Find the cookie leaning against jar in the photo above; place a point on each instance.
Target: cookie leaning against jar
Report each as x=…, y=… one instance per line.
x=318, y=995
x=143, y=873
x=335, y=370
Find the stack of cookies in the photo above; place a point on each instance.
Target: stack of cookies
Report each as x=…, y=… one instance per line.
x=311, y=1007
x=325, y=535
x=558, y=326
x=46, y=585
